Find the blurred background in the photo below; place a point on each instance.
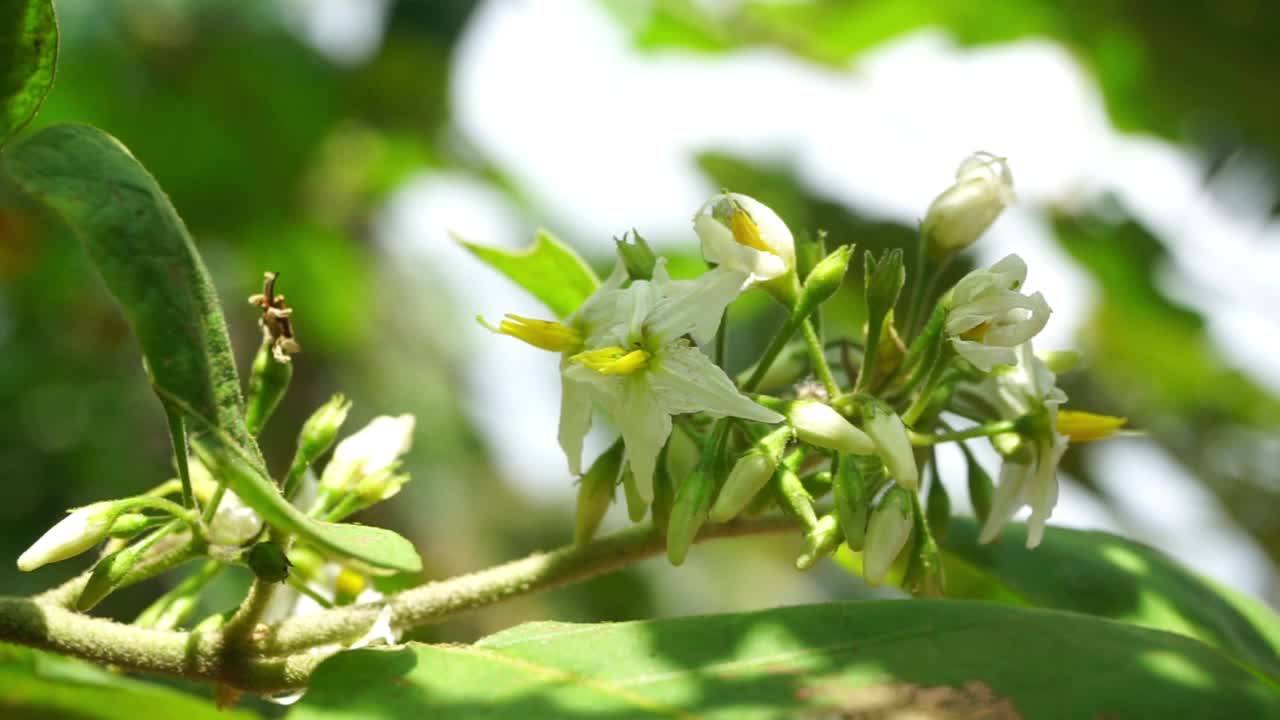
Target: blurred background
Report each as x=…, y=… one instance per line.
x=339, y=142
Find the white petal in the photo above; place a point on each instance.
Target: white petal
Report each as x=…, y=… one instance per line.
x=983, y=357
x=686, y=381
x=1042, y=493
x=645, y=426
x=575, y=420
x=1007, y=499
x=1031, y=317
x=693, y=306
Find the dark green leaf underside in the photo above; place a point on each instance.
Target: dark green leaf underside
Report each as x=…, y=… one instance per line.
x=870, y=659
x=28, y=58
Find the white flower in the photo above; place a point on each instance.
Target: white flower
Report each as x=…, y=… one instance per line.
x=1028, y=389
x=957, y=217
x=234, y=523
x=741, y=234
x=819, y=424
x=77, y=532
x=374, y=450
x=988, y=317
x=641, y=369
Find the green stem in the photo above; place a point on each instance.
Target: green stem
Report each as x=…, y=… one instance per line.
x=211, y=509
x=819, y=359
x=779, y=341
x=987, y=430
x=301, y=586
x=921, y=403
x=178, y=436
x=722, y=339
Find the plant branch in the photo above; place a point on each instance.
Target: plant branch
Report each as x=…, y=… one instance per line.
x=282, y=657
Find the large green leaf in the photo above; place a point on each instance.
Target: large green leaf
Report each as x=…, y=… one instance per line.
x=1101, y=574
x=869, y=659
x=151, y=265
x=40, y=686
x=28, y=56
x=147, y=259
x=550, y=270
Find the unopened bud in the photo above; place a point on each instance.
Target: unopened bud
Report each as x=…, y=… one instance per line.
x=234, y=523
x=819, y=424
x=79, y=531
x=791, y=495
x=853, y=496
x=887, y=533
x=959, y=216
x=129, y=525
x=268, y=380
x=1060, y=361
x=820, y=542
x=824, y=280
x=268, y=562
x=595, y=492
x=892, y=443
x=637, y=506
x=688, y=513
x=374, y=448
x=636, y=256
x=750, y=474
x=884, y=279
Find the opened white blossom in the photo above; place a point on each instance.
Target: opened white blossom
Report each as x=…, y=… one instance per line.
x=959, y=216
x=741, y=234
x=373, y=451
x=1030, y=477
x=987, y=316
x=640, y=368
x=77, y=532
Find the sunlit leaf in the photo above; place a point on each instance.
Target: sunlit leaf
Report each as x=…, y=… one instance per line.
x=905, y=658
x=28, y=56
x=1100, y=574
x=40, y=686
x=550, y=270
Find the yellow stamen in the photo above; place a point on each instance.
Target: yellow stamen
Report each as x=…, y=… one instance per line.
x=975, y=334
x=745, y=231
x=1083, y=426
x=613, y=360
x=543, y=334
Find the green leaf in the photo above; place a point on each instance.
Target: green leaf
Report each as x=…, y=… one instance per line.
x=147, y=259
x=894, y=658
x=28, y=57
x=550, y=270
x=41, y=686
x=378, y=550
x=1100, y=574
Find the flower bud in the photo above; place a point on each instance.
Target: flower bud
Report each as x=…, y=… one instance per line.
x=234, y=523
x=1060, y=362
x=883, y=280
x=749, y=475
x=820, y=542
x=268, y=380
x=792, y=497
x=315, y=439
x=739, y=233
x=824, y=280
x=595, y=492
x=129, y=524
x=688, y=513
x=964, y=211
x=887, y=533
x=892, y=443
x=853, y=494
x=637, y=505
x=376, y=447
x=819, y=424
x=637, y=257
x=79, y=531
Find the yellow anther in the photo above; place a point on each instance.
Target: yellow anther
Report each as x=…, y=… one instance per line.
x=977, y=333
x=544, y=334
x=745, y=231
x=1083, y=426
x=613, y=360
x=349, y=582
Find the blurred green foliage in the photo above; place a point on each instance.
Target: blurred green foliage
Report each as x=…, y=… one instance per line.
x=278, y=157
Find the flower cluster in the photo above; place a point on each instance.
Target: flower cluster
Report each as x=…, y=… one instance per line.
x=634, y=349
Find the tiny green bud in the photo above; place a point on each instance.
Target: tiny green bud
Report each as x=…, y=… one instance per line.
x=750, y=474
x=852, y=499
x=818, y=484
x=887, y=533
x=637, y=257
x=824, y=280
x=637, y=506
x=306, y=564
x=664, y=493
x=892, y=443
x=1060, y=362
x=820, y=542
x=79, y=531
x=820, y=425
x=981, y=488
x=130, y=524
x=693, y=499
x=268, y=380
x=268, y=562
x=109, y=574
x=321, y=429
x=792, y=497
x=884, y=279
x=595, y=492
